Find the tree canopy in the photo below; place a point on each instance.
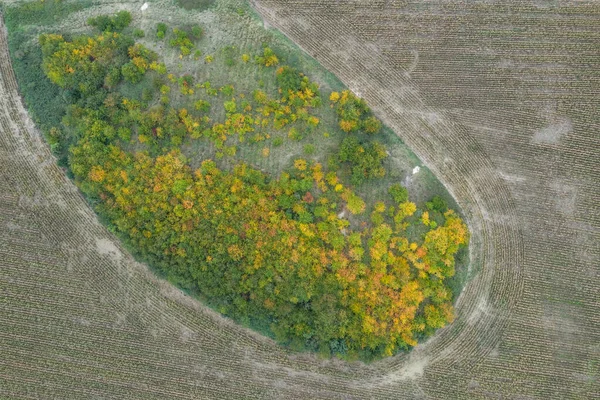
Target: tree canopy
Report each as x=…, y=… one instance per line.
x=275, y=252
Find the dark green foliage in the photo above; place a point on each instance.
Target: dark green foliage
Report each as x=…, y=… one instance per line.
x=399, y=193
x=131, y=73
x=289, y=79
x=40, y=13
x=437, y=204
x=366, y=160
x=116, y=23
x=183, y=40
x=45, y=100
x=161, y=30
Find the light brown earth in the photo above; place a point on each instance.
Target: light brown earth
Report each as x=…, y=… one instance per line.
x=499, y=99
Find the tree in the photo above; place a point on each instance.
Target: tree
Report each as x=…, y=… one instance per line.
x=355, y=204
x=366, y=160
x=131, y=72
x=230, y=106
x=115, y=23
x=183, y=41
x=353, y=113
x=83, y=63
x=300, y=164
x=437, y=204
x=371, y=125
x=398, y=192
x=268, y=58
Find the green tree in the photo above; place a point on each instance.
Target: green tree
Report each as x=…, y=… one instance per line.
x=116, y=23
x=399, y=193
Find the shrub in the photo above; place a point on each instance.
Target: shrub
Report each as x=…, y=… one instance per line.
x=202, y=105
x=183, y=41
x=268, y=58
x=399, y=193
x=161, y=30
x=355, y=204
x=353, y=113
x=230, y=106
x=437, y=204
x=131, y=73
x=197, y=32
x=366, y=160
x=309, y=149
x=111, y=24
x=293, y=134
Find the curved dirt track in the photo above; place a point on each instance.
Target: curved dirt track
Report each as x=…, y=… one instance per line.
x=514, y=138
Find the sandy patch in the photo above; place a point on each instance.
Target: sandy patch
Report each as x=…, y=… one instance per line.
x=553, y=132
x=108, y=248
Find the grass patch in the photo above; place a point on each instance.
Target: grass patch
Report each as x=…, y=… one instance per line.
x=198, y=5
x=39, y=13
x=25, y=22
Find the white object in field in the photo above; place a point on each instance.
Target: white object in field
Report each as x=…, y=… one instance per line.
x=144, y=7
x=416, y=170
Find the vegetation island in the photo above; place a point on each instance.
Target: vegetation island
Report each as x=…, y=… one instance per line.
x=269, y=196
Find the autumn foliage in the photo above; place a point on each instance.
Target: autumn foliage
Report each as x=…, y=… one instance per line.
x=272, y=252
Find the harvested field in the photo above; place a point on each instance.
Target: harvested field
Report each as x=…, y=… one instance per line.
x=499, y=100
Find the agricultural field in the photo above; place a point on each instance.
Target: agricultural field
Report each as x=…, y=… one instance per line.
x=498, y=100
x=247, y=176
